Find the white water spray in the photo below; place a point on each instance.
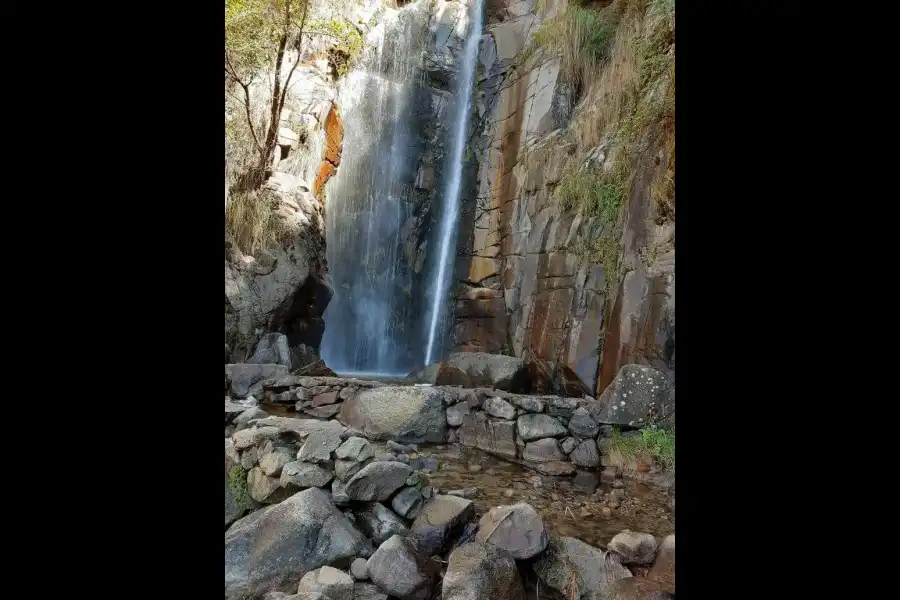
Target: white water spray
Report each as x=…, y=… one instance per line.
x=450, y=217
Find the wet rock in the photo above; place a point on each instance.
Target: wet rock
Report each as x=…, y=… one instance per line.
x=634, y=548
x=441, y=518
x=477, y=369
x=246, y=378
x=562, y=407
x=304, y=475
x=663, y=569
x=319, y=445
x=585, y=480
x=272, y=548
x=408, y=502
x=327, y=581
x=618, y=484
x=403, y=458
x=509, y=493
x=398, y=447
x=533, y=427
x=632, y=588
x=469, y=492
x=491, y=435
x=568, y=445
x=556, y=468
x=518, y=529
x=582, y=425
x=377, y=481
x=568, y=561
x=367, y=591
x=378, y=522
x=528, y=403
x=474, y=468
x=402, y=570
x=586, y=454
x=478, y=571
x=359, y=569
x=404, y=413
x=544, y=450
x=609, y=475
x=637, y=395
x=497, y=407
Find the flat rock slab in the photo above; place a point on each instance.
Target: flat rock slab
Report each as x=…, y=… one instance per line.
x=301, y=427
x=245, y=376
x=272, y=548
x=408, y=414
x=377, y=481
x=534, y=427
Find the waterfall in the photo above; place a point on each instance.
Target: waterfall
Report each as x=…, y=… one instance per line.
x=379, y=224
x=451, y=193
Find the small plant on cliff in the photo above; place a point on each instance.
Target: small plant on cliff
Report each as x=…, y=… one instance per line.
x=237, y=481
x=251, y=220
x=594, y=193
x=651, y=443
x=347, y=43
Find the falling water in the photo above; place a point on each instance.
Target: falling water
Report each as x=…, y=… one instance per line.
x=369, y=199
x=451, y=193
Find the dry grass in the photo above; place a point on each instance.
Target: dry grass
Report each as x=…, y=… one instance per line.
x=252, y=221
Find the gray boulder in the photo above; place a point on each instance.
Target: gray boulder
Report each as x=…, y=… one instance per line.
x=402, y=570
x=586, y=454
x=378, y=522
x=535, y=427
x=408, y=502
x=264, y=488
x=407, y=414
x=569, y=562
x=377, y=481
x=637, y=396
x=272, y=462
x=272, y=548
x=495, y=436
x=478, y=571
x=500, y=408
x=304, y=475
x=319, y=445
x=518, y=529
x=345, y=469
x=359, y=568
x=367, y=591
x=272, y=349
x=246, y=379
x=477, y=369
x=441, y=519
x=545, y=450
x=634, y=548
x=356, y=448
x=327, y=581
x=582, y=425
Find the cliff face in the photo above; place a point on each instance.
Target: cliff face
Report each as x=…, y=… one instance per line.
x=541, y=272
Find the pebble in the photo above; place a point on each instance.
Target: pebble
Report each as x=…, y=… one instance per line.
x=474, y=468
x=509, y=493
x=554, y=496
x=536, y=481
x=491, y=472
x=618, y=484
x=404, y=458
x=520, y=486
x=607, y=511
x=359, y=568
x=585, y=512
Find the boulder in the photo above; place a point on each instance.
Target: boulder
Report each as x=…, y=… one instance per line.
x=272, y=463
x=408, y=502
x=441, y=519
x=327, y=581
x=272, y=348
x=304, y=475
x=586, y=454
x=638, y=395
x=477, y=369
x=345, y=469
x=402, y=570
x=456, y=414
x=582, y=425
x=366, y=591
x=478, y=571
x=359, y=569
x=322, y=412
x=634, y=548
x=561, y=407
x=232, y=410
x=497, y=407
x=568, y=445
x=663, y=570
x=408, y=414
x=325, y=398
x=262, y=487
x=548, y=377
x=242, y=421
x=272, y=548
x=356, y=449
x=569, y=562
x=535, y=427
x=545, y=450
x=319, y=445
x=378, y=522
x=518, y=529
x=339, y=494
x=247, y=438
x=245, y=377
x=377, y=481
x=495, y=436
x=300, y=428
x=531, y=404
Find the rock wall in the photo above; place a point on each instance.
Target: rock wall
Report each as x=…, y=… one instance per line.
x=526, y=285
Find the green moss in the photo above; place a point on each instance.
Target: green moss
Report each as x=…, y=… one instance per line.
x=654, y=442
x=237, y=481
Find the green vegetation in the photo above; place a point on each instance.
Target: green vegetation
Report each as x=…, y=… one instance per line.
x=251, y=220
x=347, y=42
x=237, y=481
x=591, y=192
x=653, y=443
